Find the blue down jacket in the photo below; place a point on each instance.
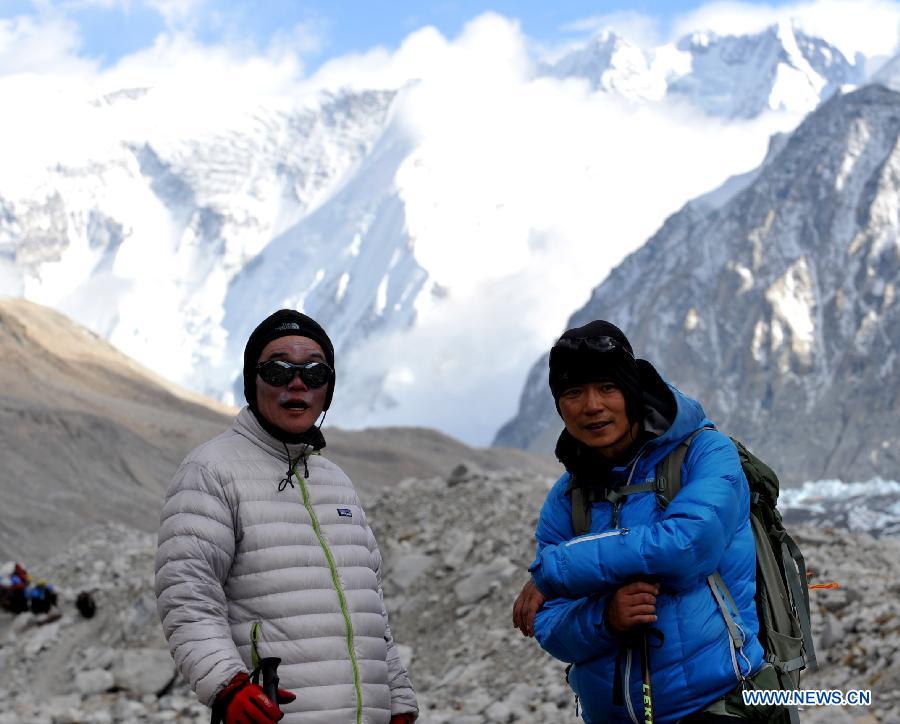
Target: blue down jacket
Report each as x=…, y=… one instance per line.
x=704, y=529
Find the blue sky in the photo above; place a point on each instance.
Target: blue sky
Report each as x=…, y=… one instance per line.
x=110, y=29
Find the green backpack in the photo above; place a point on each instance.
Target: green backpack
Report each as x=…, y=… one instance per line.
x=782, y=591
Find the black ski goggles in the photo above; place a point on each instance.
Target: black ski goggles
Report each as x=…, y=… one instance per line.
x=278, y=373
x=597, y=344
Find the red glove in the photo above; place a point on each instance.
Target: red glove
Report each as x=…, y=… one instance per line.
x=245, y=703
x=403, y=718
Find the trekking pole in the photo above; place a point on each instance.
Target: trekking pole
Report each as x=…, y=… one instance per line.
x=269, y=668
x=646, y=687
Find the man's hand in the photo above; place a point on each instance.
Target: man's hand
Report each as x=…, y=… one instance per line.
x=632, y=605
x=526, y=607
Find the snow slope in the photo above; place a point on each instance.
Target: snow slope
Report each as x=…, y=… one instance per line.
x=730, y=76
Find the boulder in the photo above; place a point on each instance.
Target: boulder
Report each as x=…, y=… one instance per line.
x=144, y=671
x=93, y=681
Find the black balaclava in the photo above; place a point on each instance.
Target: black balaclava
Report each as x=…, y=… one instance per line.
x=571, y=367
x=284, y=323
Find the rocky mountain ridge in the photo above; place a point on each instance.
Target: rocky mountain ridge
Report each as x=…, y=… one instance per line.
x=780, y=68
x=774, y=303
x=87, y=435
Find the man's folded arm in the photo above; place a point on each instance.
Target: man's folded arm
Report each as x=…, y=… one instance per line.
x=686, y=545
x=574, y=630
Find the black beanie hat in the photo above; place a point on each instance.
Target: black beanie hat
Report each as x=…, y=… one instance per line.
x=283, y=323
x=570, y=367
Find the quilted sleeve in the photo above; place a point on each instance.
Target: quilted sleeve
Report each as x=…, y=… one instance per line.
x=570, y=629
x=193, y=557
x=403, y=697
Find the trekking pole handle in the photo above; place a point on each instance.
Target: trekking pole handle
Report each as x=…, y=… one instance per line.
x=269, y=669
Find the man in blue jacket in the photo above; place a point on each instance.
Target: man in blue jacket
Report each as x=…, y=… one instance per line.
x=641, y=568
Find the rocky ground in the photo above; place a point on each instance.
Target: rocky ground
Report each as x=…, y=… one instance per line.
x=456, y=548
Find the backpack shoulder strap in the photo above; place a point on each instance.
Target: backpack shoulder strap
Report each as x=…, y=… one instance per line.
x=667, y=484
x=581, y=511
x=668, y=472
x=582, y=500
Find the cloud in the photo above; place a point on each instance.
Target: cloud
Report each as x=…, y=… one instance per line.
x=199, y=89
x=179, y=61
x=305, y=38
x=521, y=195
x=178, y=13
x=867, y=26
x=38, y=45
x=490, y=44
x=640, y=28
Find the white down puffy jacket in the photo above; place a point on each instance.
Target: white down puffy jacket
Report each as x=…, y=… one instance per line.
x=301, y=562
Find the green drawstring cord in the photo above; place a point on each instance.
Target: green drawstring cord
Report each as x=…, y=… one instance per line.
x=254, y=640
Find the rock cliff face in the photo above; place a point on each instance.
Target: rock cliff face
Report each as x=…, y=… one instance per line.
x=774, y=300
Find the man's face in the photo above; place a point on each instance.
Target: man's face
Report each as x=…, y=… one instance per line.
x=594, y=413
x=295, y=407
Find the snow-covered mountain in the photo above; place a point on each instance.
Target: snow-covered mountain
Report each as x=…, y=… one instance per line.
x=174, y=242
x=781, y=68
x=775, y=301
x=171, y=234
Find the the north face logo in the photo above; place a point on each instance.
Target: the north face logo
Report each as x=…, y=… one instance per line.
x=345, y=512
x=287, y=325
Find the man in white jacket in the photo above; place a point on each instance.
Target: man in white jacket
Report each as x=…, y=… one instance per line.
x=265, y=551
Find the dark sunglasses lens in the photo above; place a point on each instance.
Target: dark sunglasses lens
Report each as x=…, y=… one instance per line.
x=315, y=375
x=276, y=374
x=279, y=373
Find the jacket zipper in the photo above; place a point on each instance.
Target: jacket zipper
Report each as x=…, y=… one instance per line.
x=596, y=536
x=615, y=513
x=340, y=593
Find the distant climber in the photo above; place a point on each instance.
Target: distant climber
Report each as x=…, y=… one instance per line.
x=41, y=597
x=14, y=580
x=265, y=552
x=18, y=596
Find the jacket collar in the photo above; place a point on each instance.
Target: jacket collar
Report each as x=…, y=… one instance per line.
x=248, y=426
